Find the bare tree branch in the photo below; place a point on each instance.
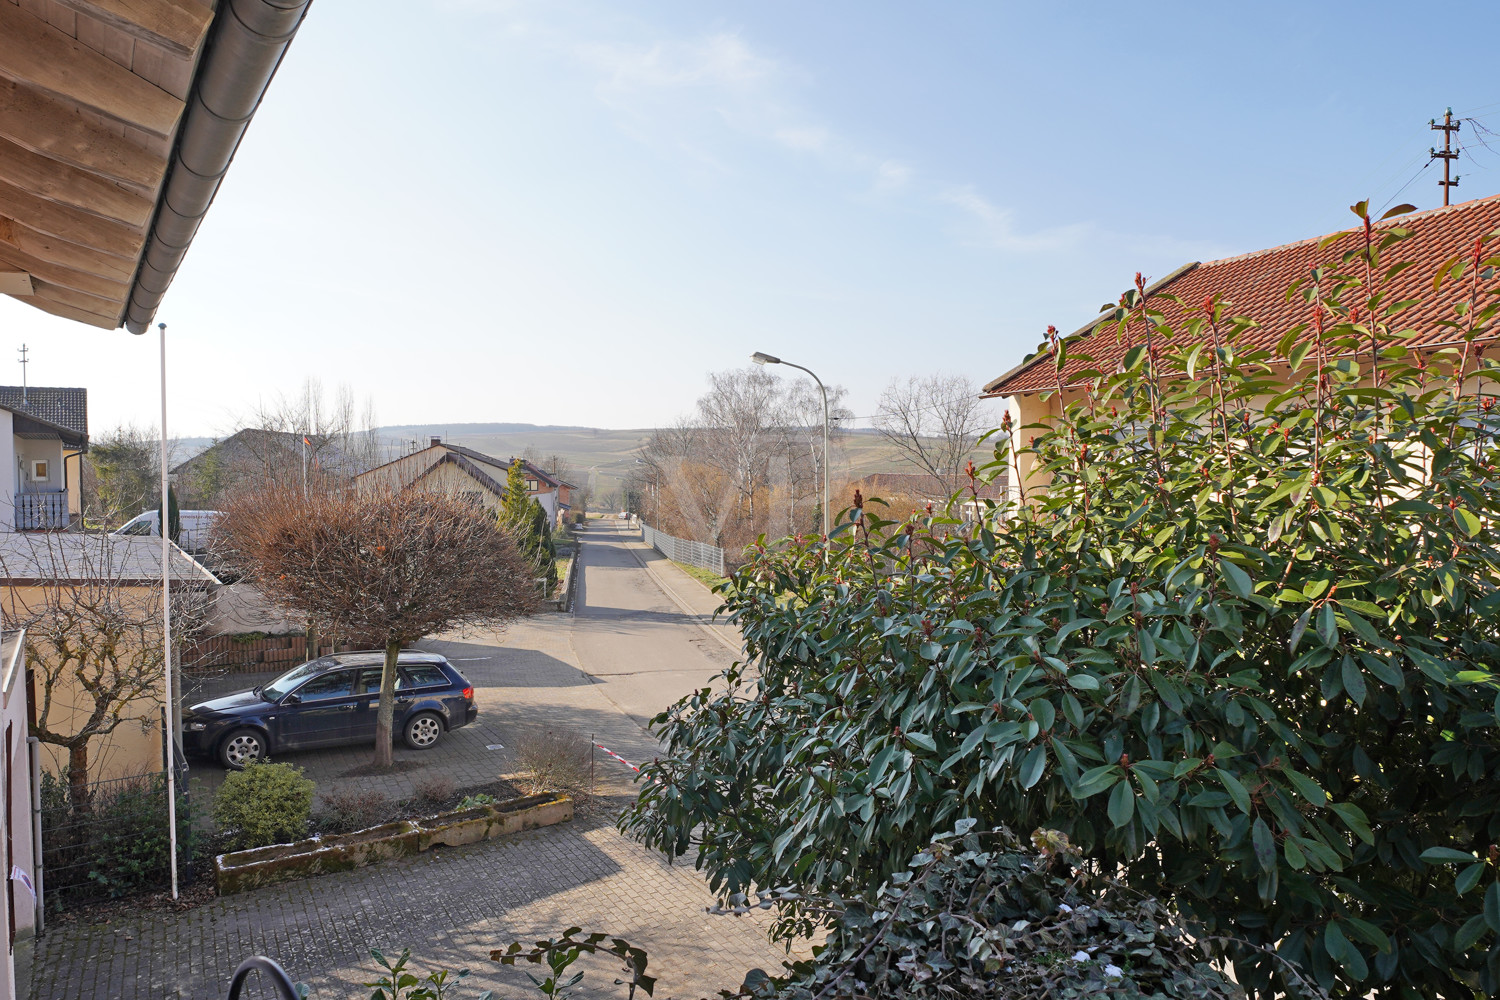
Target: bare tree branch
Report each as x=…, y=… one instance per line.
x=934, y=422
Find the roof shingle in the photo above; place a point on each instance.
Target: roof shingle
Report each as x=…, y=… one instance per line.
x=64, y=407
x=1255, y=285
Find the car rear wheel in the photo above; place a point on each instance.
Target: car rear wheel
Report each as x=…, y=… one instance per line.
x=423, y=731
x=241, y=747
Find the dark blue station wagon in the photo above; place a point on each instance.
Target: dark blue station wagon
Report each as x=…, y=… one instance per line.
x=329, y=701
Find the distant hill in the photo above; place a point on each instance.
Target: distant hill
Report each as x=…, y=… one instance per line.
x=606, y=455
x=603, y=455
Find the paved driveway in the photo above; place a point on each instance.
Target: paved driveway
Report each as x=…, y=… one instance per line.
x=630, y=650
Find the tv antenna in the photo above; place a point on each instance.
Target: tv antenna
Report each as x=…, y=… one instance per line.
x=22, y=353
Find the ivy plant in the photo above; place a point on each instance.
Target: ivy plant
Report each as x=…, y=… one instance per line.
x=1230, y=650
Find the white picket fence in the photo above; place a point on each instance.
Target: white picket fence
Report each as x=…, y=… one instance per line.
x=701, y=554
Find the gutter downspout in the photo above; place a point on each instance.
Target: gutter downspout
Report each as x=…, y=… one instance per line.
x=249, y=40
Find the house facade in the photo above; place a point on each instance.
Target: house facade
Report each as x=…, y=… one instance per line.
x=18, y=918
x=44, y=432
x=452, y=468
x=1255, y=285
x=109, y=586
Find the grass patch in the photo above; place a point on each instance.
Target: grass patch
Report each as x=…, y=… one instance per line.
x=707, y=577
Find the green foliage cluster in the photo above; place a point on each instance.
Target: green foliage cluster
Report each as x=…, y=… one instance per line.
x=978, y=915
x=266, y=803
x=526, y=522
x=398, y=982
x=1228, y=651
x=114, y=844
x=173, y=516
x=122, y=462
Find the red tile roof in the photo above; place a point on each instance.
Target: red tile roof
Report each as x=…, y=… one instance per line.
x=1256, y=284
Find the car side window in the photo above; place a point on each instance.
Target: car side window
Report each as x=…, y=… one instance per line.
x=369, y=681
x=419, y=675
x=339, y=684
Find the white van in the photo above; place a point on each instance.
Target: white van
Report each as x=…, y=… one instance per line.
x=196, y=527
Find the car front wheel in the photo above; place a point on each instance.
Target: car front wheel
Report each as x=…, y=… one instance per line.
x=241, y=747
x=423, y=731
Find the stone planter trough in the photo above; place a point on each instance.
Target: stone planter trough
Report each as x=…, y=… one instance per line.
x=260, y=866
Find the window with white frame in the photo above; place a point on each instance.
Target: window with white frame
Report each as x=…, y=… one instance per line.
x=41, y=470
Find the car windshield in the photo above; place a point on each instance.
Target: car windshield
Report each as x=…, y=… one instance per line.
x=289, y=680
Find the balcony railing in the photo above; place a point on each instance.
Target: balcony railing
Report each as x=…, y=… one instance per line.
x=41, y=511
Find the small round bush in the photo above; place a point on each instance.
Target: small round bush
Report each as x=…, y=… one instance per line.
x=263, y=804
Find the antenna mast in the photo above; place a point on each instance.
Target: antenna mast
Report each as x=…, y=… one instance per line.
x=22, y=352
x=1449, y=154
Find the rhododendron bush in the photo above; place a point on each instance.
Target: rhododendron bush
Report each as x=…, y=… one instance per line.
x=1235, y=651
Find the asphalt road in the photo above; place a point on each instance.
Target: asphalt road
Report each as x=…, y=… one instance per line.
x=641, y=626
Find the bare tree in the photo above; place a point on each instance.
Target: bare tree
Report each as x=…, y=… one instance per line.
x=748, y=462
x=381, y=566
x=935, y=422
x=93, y=620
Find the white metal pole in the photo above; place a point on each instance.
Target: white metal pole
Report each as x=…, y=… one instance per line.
x=166, y=623
x=825, y=456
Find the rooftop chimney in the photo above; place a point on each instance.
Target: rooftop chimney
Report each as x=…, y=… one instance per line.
x=435, y=441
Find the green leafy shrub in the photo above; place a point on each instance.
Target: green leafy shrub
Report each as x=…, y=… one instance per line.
x=1227, y=652
x=114, y=844
x=266, y=803
x=473, y=801
x=978, y=915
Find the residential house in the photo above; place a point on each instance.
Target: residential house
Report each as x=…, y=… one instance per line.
x=18, y=917
x=255, y=456
x=89, y=578
x=44, y=432
x=119, y=125
x=452, y=468
x=1256, y=284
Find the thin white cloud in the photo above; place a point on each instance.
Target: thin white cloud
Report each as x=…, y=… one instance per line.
x=811, y=138
x=997, y=226
x=716, y=61
x=752, y=94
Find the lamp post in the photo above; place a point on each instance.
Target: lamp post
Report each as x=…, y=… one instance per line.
x=770, y=359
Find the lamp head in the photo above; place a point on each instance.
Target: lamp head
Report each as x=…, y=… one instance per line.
x=761, y=358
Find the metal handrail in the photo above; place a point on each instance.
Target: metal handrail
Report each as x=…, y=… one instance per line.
x=268, y=967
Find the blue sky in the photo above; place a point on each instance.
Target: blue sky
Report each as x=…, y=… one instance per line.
x=568, y=212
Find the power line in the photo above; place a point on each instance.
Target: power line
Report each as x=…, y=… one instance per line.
x=1406, y=185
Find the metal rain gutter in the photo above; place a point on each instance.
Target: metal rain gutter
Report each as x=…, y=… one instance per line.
x=250, y=37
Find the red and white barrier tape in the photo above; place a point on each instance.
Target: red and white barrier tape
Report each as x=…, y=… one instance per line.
x=617, y=757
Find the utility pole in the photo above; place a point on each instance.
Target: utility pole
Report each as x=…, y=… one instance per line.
x=22, y=352
x=1449, y=154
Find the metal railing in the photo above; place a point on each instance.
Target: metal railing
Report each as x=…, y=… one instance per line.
x=270, y=969
x=41, y=511
x=683, y=550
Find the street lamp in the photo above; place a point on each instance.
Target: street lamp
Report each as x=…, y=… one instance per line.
x=762, y=358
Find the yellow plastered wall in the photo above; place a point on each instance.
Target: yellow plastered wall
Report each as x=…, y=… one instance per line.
x=135, y=746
